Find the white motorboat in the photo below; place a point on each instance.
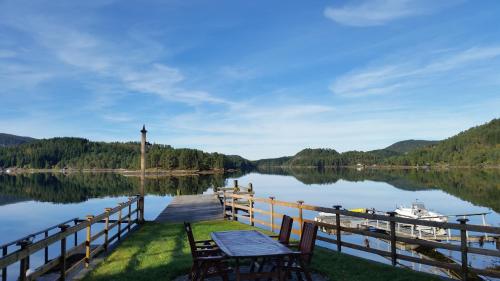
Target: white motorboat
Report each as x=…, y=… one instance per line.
x=418, y=211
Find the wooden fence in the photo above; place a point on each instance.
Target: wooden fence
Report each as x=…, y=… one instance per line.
x=246, y=203
x=26, y=247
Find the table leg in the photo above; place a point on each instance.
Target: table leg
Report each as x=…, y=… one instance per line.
x=280, y=269
x=237, y=270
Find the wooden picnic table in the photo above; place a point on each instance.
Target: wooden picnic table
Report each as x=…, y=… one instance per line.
x=252, y=244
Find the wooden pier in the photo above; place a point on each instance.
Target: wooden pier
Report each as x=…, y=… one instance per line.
x=191, y=208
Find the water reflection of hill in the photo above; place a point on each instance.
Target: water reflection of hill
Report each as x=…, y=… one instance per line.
x=73, y=188
x=478, y=186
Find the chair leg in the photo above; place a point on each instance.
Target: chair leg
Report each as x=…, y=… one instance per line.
x=299, y=275
x=306, y=270
x=195, y=272
x=203, y=271
x=222, y=273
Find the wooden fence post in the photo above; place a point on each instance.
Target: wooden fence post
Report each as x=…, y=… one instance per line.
x=272, y=213
x=4, y=270
x=463, y=247
x=62, y=257
x=301, y=219
x=140, y=209
x=129, y=214
x=24, y=264
x=87, y=240
x=233, y=217
x=224, y=215
x=392, y=223
x=46, y=250
x=250, y=206
x=106, y=229
x=120, y=222
x=339, y=230
x=76, y=233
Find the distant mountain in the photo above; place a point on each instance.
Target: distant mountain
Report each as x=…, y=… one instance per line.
x=12, y=140
x=409, y=145
x=477, y=146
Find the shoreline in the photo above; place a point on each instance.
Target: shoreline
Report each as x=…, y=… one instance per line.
x=386, y=167
x=125, y=172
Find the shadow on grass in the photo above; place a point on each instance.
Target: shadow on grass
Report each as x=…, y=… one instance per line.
x=161, y=252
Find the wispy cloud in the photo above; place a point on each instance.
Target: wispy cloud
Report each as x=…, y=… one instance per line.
x=418, y=71
x=7, y=54
x=379, y=12
x=81, y=52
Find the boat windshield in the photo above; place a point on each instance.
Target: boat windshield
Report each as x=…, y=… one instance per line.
x=418, y=205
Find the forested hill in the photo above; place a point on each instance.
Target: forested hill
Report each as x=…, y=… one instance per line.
x=11, y=140
x=80, y=153
x=478, y=145
x=474, y=147
x=409, y=145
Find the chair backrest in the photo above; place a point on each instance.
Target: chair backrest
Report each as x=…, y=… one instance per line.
x=286, y=230
x=308, y=240
x=190, y=236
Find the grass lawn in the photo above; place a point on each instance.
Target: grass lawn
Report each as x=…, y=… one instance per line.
x=161, y=252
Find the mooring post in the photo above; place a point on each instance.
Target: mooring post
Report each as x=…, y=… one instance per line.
x=272, y=213
x=24, y=264
x=392, y=223
x=62, y=257
x=87, y=240
x=339, y=229
x=250, y=187
x=463, y=247
x=301, y=219
x=106, y=229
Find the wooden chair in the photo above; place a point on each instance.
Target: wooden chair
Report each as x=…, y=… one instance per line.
x=208, y=260
x=285, y=230
x=283, y=238
x=299, y=261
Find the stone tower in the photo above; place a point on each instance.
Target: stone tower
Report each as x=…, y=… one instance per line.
x=143, y=172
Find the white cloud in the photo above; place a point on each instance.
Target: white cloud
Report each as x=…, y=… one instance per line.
x=417, y=71
x=379, y=12
x=129, y=67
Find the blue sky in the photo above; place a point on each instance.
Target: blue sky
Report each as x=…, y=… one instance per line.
x=254, y=78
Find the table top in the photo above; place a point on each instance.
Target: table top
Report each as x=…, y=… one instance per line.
x=248, y=243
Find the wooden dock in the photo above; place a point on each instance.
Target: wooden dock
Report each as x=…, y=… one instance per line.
x=192, y=208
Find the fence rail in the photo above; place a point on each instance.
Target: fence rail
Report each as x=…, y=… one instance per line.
x=246, y=202
x=26, y=246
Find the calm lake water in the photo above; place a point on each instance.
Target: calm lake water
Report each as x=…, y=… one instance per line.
x=29, y=203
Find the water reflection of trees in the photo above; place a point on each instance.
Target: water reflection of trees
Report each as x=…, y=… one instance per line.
x=478, y=186
x=73, y=188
